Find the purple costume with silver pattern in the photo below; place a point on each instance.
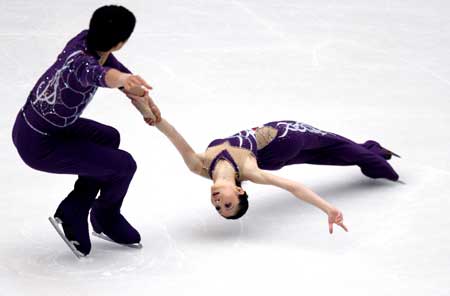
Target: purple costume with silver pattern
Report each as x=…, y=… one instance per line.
x=50, y=136
x=297, y=143
x=64, y=90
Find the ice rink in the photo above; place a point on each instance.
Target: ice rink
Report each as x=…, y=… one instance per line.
x=364, y=69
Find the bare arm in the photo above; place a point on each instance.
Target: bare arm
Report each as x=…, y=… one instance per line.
x=152, y=116
x=191, y=159
x=297, y=189
x=259, y=176
x=144, y=104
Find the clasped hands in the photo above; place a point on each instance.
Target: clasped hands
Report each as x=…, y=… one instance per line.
x=145, y=105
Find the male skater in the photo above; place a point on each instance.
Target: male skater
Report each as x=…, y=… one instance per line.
x=50, y=136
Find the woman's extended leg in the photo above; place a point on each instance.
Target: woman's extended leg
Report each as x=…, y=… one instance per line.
x=370, y=157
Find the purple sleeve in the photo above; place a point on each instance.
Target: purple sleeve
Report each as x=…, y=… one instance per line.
x=114, y=63
x=89, y=72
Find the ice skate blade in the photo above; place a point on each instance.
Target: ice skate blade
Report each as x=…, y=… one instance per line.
x=106, y=238
x=392, y=153
x=395, y=154
x=71, y=244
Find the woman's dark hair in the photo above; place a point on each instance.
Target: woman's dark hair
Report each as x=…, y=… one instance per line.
x=109, y=25
x=242, y=207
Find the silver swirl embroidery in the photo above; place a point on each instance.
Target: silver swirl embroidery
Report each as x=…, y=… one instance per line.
x=245, y=137
x=49, y=96
x=299, y=127
x=53, y=84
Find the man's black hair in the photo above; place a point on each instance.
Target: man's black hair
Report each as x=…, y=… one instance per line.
x=109, y=25
x=242, y=207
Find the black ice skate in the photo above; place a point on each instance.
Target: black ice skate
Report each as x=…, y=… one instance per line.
x=114, y=228
x=72, y=216
x=72, y=244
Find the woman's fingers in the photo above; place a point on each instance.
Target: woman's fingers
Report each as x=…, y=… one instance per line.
x=336, y=218
x=156, y=112
x=154, y=109
x=343, y=226
x=149, y=121
x=146, y=106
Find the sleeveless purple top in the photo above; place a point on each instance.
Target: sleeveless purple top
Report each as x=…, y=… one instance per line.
x=224, y=154
x=291, y=138
x=245, y=139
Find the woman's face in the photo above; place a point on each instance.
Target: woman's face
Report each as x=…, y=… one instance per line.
x=225, y=199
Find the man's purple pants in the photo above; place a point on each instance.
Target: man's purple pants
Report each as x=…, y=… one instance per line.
x=87, y=149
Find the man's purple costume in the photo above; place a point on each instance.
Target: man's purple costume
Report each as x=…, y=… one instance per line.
x=50, y=136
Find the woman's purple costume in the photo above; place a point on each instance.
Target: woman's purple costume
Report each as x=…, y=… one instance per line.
x=297, y=143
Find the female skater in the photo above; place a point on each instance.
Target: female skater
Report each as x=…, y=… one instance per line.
x=50, y=136
x=247, y=154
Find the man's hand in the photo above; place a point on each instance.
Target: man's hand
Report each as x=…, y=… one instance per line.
x=335, y=217
x=131, y=82
x=136, y=91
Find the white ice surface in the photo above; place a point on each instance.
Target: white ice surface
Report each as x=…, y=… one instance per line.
x=363, y=69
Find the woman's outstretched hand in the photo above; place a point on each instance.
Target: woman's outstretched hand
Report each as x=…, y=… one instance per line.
x=147, y=107
x=335, y=217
